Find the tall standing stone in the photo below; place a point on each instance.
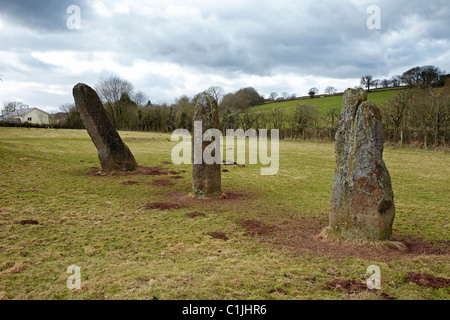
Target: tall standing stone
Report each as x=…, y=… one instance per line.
x=206, y=178
x=362, y=201
x=114, y=155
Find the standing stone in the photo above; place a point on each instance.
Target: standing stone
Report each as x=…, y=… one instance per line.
x=206, y=178
x=114, y=155
x=362, y=202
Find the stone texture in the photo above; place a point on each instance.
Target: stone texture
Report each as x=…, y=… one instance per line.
x=114, y=155
x=362, y=201
x=206, y=178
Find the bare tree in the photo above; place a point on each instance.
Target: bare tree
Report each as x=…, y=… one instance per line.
x=140, y=98
x=273, y=96
x=11, y=106
x=376, y=83
x=215, y=92
x=110, y=91
x=366, y=81
x=285, y=95
x=112, y=88
x=65, y=108
x=330, y=90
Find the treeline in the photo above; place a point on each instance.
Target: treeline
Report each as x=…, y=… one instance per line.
x=418, y=114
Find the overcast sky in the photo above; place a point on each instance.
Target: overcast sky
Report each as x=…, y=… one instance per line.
x=171, y=48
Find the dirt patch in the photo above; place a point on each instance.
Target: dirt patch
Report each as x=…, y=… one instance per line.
x=278, y=290
x=195, y=214
x=163, y=183
x=129, y=183
x=386, y=296
x=230, y=197
x=146, y=171
x=426, y=280
x=349, y=286
x=167, y=162
x=163, y=206
x=256, y=227
x=225, y=170
x=241, y=166
x=176, y=177
x=218, y=235
x=300, y=236
x=23, y=222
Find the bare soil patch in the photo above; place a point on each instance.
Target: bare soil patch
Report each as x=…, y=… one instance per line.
x=225, y=170
x=176, y=177
x=163, y=183
x=300, y=236
x=195, y=214
x=23, y=222
x=256, y=227
x=163, y=206
x=218, y=235
x=130, y=183
x=349, y=286
x=146, y=171
x=427, y=280
x=167, y=162
x=231, y=198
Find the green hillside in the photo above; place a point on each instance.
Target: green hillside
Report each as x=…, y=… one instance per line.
x=324, y=103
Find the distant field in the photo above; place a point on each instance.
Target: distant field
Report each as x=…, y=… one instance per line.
x=137, y=236
x=324, y=103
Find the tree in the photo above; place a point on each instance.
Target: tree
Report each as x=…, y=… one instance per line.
x=215, y=92
x=285, y=95
x=273, y=96
x=330, y=90
x=11, y=106
x=139, y=98
x=312, y=92
x=385, y=83
x=422, y=76
x=110, y=90
x=396, y=81
x=397, y=108
x=304, y=117
x=376, y=83
x=366, y=81
x=241, y=100
x=65, y=108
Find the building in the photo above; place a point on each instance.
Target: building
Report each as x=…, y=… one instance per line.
x=31, y=115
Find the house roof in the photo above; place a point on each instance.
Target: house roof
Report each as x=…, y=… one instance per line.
x=22, y=112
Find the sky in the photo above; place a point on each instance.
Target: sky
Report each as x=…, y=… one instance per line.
x=172, y=48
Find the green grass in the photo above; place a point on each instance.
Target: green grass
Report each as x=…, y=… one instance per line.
x=323, y=103
x=128, y=252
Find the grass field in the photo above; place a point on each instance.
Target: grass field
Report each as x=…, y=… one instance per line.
x=323, y=103
x=105, y=225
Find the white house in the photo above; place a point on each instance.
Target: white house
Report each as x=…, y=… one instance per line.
x=32, y=115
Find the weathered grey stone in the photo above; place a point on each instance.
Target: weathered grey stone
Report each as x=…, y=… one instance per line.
x=114, y=155
x=362, y=202
x=206, y=178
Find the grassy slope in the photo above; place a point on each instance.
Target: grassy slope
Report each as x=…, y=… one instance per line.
x=128, y=252
x=324, y=103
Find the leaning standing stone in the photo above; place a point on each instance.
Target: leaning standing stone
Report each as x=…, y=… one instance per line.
x=206, y=178
x=114, y=155
x=362, y=202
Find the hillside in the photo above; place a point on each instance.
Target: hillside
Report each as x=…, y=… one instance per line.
x=324, y=102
